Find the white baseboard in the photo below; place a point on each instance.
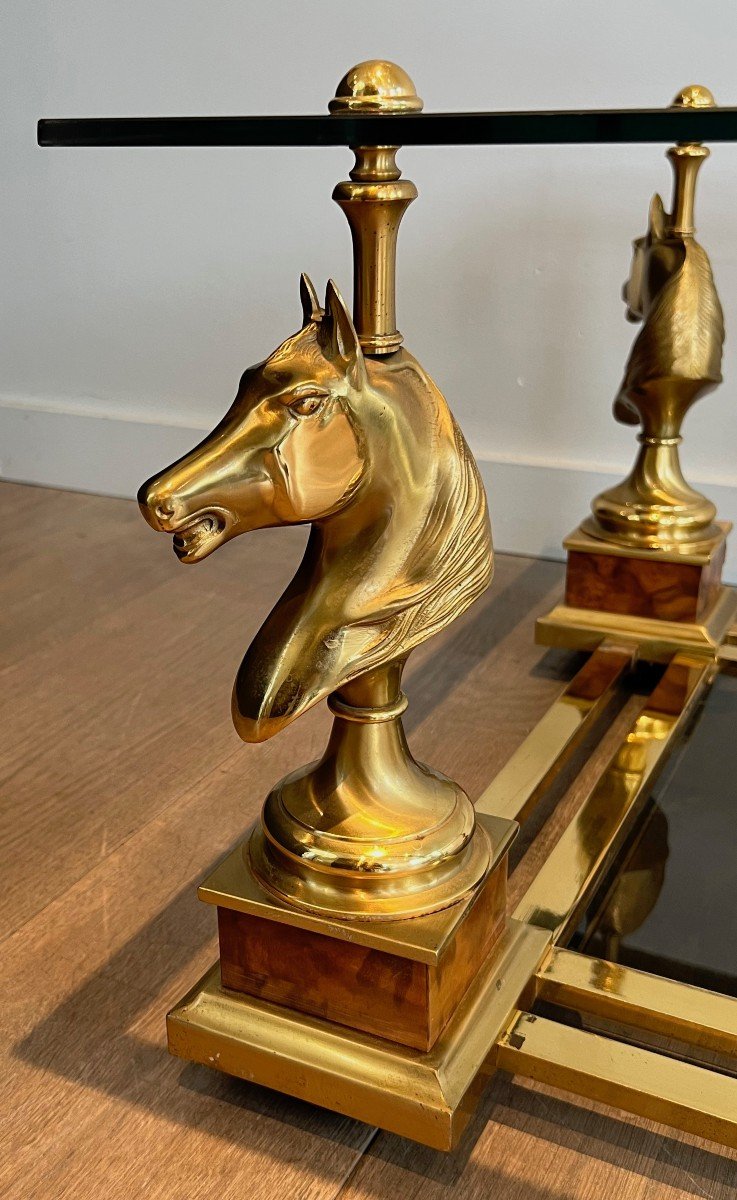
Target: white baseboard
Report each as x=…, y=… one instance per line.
x=533, y=504
x=92, y=451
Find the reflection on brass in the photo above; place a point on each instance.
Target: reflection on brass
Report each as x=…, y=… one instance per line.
x=676, y=359
x=691, y=1098
x=426, y=1096
x=523, y=780
x=365, y=449
x=636, y=998
x=635, y=891
x=565, y=883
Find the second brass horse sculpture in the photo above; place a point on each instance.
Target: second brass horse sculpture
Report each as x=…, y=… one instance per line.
x=675, y=359
x=367, y=451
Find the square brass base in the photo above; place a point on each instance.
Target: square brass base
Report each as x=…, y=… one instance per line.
x=398, y=979
x=428, y=1096
x=676, y=602
x=422, y=939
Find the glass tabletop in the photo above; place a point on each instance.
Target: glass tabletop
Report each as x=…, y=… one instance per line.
x=670, y=906
x=407, y=129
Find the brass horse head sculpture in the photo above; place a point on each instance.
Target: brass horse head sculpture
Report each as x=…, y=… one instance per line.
x=367, y=451
x=675, y=359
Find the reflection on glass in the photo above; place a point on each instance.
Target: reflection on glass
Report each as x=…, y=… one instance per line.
x=670, y=907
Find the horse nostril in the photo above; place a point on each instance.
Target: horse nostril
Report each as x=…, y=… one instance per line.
x=164, y=510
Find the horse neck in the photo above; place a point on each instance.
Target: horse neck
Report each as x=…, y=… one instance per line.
x=380, y=531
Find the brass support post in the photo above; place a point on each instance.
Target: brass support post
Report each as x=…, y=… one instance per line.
x=374, y=202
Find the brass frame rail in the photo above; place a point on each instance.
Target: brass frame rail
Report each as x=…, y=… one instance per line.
x=639, y=1081
x=520, y=785
x=655, y=1084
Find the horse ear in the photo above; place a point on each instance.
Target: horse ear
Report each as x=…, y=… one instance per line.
x=311, y=310
x=656, y=222
x=340, y=340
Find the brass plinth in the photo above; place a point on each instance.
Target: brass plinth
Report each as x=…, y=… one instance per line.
x=395, y=977
x=658, y=602
x=426, y=1096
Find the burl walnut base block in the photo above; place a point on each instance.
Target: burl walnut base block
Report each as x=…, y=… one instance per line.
x=387, y=994
x=401, y=980
x=664, y=601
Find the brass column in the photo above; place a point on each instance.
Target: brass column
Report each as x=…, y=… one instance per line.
x=375, y=201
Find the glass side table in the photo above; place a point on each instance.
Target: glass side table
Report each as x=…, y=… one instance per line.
x=367, y=959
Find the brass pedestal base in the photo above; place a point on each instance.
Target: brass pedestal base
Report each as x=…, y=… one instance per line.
x=661, y=601
x=367, y=1017
x=425, y=1096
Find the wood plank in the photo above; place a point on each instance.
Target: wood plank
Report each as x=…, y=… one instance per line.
x=94, y=1105
x=530, y=1142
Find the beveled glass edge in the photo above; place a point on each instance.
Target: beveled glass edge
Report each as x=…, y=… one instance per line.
x=418, y=129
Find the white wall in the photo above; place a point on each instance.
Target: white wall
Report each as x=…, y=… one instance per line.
x=137, y=283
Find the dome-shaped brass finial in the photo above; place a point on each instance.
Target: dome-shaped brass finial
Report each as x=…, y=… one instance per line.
x=375, y=86
x=694, y=96
x=686, y=159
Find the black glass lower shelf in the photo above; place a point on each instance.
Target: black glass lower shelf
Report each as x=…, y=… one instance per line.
x=670, y=905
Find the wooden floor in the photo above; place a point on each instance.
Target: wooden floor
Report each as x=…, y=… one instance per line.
x=123, y=782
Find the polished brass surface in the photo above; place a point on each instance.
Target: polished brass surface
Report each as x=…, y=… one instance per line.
x=607, y=989
x=375, y=201
x=700, y=1101
x=566, y=881
x=515, y=790
x=232, y=885
x=375, y=86
x=428, y=1096
x=585, y=542
x=366, y=450
x=676, y=359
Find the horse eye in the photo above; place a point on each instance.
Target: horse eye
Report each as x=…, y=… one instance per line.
x=308, y=403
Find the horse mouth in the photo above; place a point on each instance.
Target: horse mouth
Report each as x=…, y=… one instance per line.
x=199, y=536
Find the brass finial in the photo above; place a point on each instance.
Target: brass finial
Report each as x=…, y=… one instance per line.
x=375, y=200
x=694, y=96
x=686, y=159
x=375, y=86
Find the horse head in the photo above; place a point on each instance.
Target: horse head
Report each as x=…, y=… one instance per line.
x=637, y=290
x=285, y=453
x=367, y=452
x=676, y=357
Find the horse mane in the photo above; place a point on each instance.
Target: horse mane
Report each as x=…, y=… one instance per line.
x=458, y=534
x=683, y=330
